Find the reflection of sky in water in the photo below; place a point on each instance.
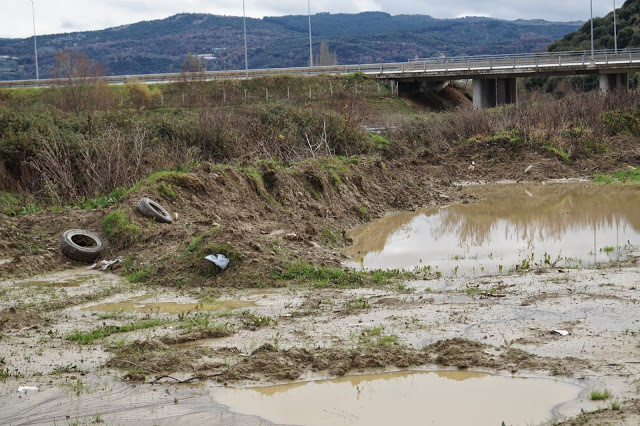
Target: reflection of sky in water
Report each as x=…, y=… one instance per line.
x=504, y=230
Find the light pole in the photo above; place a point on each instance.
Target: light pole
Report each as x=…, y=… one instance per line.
x=310, y=45
x=246, y=57
x=591, y=30
x=35, y=44
x=615, y=29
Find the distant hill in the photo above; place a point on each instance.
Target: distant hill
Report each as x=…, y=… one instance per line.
x=161, y=45
x=628, y=27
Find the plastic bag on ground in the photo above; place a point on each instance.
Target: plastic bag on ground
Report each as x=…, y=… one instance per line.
x=219, y=259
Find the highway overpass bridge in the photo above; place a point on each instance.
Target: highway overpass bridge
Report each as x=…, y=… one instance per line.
x=494, y=76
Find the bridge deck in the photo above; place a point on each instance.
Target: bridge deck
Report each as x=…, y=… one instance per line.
x=441, y=69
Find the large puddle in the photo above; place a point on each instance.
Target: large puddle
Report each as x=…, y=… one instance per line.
x=405, y=398
x=516, y=226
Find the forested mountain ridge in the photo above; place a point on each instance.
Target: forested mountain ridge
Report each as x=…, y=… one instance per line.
x=628, y=29
x=161, y=45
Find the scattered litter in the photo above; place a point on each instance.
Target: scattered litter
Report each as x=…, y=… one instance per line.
x=444, y=197
x=175, y=215
x=528, y=169
x=528, y=193
x=24, y=389
x=292, y=237
x=105, y=264
x=286, y=315
x=219, y=259
x=561, y=332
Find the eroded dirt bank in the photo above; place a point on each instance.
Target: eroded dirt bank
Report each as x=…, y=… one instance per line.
x=298, y=321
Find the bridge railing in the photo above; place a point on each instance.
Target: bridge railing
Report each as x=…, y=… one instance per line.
x=442, y=64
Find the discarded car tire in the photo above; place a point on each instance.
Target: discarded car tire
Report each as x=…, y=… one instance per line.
x=80, y=245
x=150, y=208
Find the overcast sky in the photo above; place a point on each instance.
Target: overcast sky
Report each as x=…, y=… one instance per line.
x=60, y=16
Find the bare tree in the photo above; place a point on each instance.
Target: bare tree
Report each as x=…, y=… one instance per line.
x=78, y=82
x=326, y=57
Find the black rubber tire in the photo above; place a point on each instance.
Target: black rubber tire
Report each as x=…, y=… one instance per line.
x=80, y=245
x=150, y=208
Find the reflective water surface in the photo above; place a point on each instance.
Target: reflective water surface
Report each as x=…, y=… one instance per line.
x=514, y=226
x=404, y=398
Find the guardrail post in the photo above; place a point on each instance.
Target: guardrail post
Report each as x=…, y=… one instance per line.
x=381, y=67
x=630, y=58
x=606, y=58
x=514, y=63
x=491, y=63
x=559, y=60
x=469, y=65
x=583, y=59
x=446, y=64
x=402, y=67
x=424, y=68
x=536, y=62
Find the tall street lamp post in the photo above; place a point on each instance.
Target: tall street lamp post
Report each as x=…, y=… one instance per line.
x=310, y=45
x=615, y=29
x=35, y=44
x=591, y=30
x=246, y=57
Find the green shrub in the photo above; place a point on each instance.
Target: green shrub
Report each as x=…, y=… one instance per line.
x=119, y=229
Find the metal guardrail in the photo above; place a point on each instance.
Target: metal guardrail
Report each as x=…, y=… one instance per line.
x=442, y=67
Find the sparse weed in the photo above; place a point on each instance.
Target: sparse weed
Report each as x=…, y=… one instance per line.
x=597, y=395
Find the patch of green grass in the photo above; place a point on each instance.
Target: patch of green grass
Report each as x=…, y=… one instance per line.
x=335, y=179
x=87, y=337
x=252, y=320
x=363, y=212
x=358, y=303
x=14, y=205
x=330, y=236
x=102, y=202
x=139, y=275
x=403, y=288
x=631, y=175
x=119, y=229
x=325, y=276
x=374, y=336
x=608, y=249
x=167, y=190
x=600, y=395
x=615, y=405
x=202, y=321
x=195, y=242
x=379, y=140
x=564, y=156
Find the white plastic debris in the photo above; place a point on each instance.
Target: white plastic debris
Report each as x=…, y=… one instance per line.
x=105, y=264
x=219, y=259
x=24, y=389
x=561, y=332
x=528, y=169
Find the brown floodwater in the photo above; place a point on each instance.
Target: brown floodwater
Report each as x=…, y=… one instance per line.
x=513, y=226
x=146, y=304
x=404, y=398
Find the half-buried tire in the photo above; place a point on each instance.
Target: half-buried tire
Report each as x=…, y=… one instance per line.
x=150, y=208
x=80, y=245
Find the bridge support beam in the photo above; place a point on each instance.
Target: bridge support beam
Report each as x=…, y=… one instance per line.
x=491, y=92
x=613, y=81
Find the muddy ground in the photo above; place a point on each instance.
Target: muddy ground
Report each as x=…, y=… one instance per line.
x=150, y=341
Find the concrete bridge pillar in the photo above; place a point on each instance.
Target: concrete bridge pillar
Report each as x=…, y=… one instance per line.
x=613, y=81
x=491, y=92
